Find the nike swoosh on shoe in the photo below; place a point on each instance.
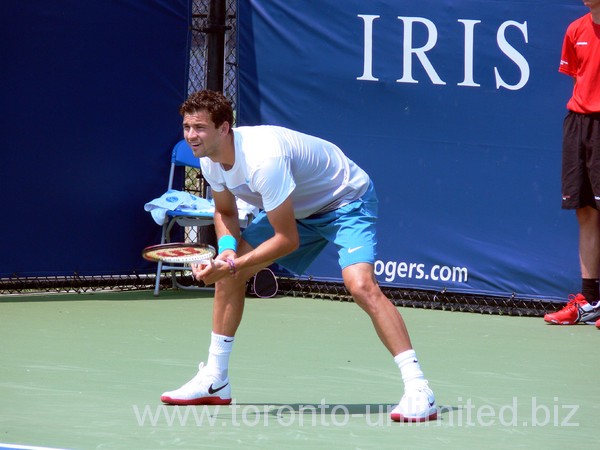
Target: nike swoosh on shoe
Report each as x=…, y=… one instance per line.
x=212, y=391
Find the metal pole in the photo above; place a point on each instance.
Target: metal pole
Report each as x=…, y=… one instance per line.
x=215, y=45
x=215, y=63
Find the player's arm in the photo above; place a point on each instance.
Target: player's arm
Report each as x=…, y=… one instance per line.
x=274, y=181
x=226, y=222
x=226, y=214
x=284, y=241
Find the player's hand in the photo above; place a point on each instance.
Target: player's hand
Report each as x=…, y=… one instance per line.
x=213, y=270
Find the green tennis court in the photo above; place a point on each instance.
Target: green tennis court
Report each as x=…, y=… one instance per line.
x=85, y=371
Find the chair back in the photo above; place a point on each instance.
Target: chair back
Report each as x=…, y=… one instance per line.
x=183, y=156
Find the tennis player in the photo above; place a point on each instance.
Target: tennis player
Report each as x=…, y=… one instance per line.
x=310, y=194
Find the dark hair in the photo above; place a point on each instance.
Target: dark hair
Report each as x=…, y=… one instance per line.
x=214, y=102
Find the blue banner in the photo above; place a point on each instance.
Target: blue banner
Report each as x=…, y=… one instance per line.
x=90, y=91
x=455, y=109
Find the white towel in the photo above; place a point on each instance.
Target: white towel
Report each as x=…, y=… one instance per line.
x=177, y=200
x=173, y=200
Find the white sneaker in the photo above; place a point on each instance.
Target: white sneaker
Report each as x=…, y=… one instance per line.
x=417, y=405
x=203, y=389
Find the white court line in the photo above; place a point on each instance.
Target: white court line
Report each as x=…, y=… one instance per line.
x=24, y=447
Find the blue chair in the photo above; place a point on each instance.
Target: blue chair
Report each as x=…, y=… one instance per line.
x=181, y=156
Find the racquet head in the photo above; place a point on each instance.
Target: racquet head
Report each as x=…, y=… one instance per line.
x=179, y=253
x=265, y=284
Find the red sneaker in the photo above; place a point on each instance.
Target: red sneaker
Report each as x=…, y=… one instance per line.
x=598, y=323
x=572, y=313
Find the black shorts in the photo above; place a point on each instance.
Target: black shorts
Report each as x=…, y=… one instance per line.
x=581, y=161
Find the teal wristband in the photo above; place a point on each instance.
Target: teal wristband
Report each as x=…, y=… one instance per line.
x=227, y=242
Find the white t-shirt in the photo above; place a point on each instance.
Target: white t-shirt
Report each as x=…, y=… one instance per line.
x=272, y=163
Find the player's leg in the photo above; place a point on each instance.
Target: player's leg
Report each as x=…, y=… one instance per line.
x=418, y=401
x=589, y=257
x=389, y=324
x=211, y=383
x=230, y=294
x=353, y=232
x=589, y=241
x=588, y=216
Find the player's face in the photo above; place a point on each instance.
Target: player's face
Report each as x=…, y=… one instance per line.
x=200, y=133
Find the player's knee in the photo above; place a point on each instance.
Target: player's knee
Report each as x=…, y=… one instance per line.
x=588, y=216
x=364, y=291
x=374, y=305
x=233, y=283
x=357, y=286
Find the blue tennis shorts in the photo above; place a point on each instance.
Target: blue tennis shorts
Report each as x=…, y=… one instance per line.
x=350, y=228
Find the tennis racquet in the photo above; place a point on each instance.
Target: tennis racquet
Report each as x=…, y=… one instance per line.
x=179, y=253
x=264, y=284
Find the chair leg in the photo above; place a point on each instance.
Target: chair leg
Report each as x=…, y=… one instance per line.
x=158, y=273
x=174, y=282
x=163, y=239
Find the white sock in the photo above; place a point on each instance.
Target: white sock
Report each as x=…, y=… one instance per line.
x=218, y=355
x=409, y=368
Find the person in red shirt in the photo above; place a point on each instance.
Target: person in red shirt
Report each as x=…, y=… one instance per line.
x=580, y=59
